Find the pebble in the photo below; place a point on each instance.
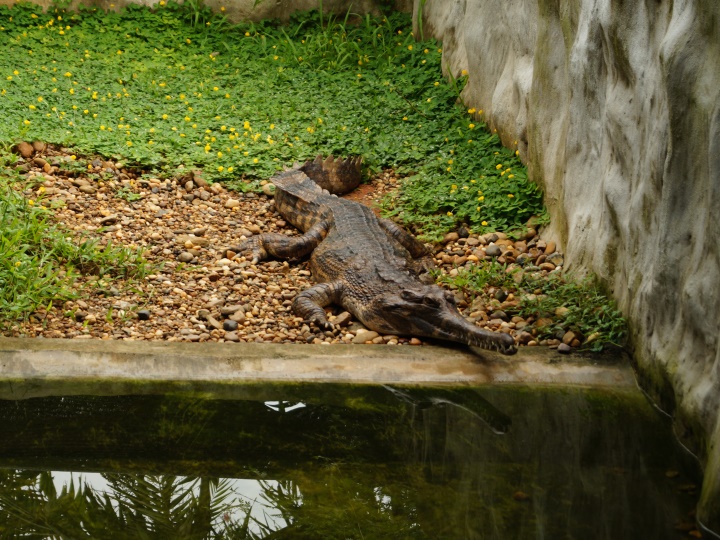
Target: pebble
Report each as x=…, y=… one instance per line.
x=363, y=337
x=564, y=348
x=232, y=203
x=143, y=315
x=229, y=325
x=343, y=319
x=25, y=149
x=493, y=250
x=451, y=237
x=185, y=257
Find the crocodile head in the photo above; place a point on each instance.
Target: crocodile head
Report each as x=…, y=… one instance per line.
x=429, y=311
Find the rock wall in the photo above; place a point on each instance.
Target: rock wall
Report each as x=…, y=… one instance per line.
x=244, y=10
x=615, y=107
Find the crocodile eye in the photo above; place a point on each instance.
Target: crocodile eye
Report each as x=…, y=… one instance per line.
x=450, y=297
x=430, y=301
x=411, y=296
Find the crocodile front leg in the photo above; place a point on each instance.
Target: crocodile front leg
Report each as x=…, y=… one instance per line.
x=282, y=246
x=309, y=303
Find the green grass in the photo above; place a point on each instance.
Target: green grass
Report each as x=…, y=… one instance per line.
x=179, y=85
x=585, y=309
x=40, y=264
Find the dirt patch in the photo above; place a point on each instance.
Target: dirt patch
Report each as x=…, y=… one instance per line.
x=199, y=290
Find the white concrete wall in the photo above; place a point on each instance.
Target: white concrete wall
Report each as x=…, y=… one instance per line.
x=616, y=109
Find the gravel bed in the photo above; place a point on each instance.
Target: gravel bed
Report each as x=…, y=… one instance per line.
x=199, y=290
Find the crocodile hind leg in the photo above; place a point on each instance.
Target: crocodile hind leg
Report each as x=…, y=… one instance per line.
x=282, y=246
x=416, y=248
x=421, y=262
x=309, y=303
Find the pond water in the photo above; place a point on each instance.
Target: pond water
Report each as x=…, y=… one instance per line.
x=315, y=461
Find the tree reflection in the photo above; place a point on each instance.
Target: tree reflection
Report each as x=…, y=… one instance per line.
x=135, y=506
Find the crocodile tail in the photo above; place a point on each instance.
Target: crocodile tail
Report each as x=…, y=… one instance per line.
x=338, y=176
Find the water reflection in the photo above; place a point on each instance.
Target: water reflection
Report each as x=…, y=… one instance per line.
x=343, y=462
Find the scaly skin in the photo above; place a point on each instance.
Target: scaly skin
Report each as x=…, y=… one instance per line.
x=369, y=266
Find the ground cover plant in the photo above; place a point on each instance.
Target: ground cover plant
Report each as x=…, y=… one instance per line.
x=178, y=85
x=557, y=304
x=178, y=88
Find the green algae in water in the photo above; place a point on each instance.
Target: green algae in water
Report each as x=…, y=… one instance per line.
x=333, y=461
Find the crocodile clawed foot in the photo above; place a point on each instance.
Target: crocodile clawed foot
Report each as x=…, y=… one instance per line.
x=323, y=324
x=252, y=249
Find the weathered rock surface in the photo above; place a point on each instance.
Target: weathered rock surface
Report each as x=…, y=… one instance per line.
x=616, y=110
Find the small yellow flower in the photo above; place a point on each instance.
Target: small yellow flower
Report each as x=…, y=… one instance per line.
x=17, y=263
x=484, y=223
x=31, y=202
x=31, y=107
x=68, y=74
x=72, y=91
x=187, y=118
x=464, y=72
x=510, y=195
x=222, y=8
x=215, y=88
x=426, y=51
x=229, y=169
x=26, y=122
x=247, y=34
x=517, y=152
x=221, y=168
x=450, y=214
x=410, y=47
x=437, y=83
x=511, y=176
x=164, y=116
x=86, y=111
x=481, y=198
x=219, y=154
x=188, y=41
x=40, y=99
x=256, y=160
x=472, y=110
x=499, y=166
x=129, y=143
x=471, y=126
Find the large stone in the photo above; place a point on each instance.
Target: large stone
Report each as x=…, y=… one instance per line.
x=615, y=108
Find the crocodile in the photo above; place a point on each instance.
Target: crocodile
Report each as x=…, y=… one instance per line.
x=370, y=266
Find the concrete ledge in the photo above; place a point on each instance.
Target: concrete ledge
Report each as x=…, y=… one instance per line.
x=29, y=365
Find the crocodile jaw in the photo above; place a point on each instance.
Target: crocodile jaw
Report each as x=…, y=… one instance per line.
x=454, y=327
x=428, y=311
